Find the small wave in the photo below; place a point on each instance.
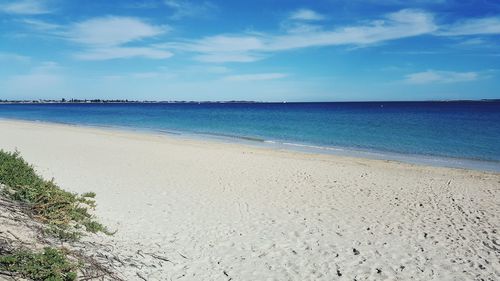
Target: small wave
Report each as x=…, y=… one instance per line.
x=169, y=132
x=307, y=146
x=247, y=138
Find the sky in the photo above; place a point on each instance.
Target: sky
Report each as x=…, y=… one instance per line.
x=260, y=50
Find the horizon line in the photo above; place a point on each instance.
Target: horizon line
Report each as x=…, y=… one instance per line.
x=96, y=101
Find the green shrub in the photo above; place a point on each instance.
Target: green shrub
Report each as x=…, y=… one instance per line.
x=65, y=213
x=50, y=265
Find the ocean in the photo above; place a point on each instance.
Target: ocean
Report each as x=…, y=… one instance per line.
x=455, y=134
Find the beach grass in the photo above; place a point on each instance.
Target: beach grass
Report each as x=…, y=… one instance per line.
x=48, y=264
x=65, y=213
x=66, y=216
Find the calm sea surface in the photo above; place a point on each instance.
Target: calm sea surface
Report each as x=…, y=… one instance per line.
x=457, y=133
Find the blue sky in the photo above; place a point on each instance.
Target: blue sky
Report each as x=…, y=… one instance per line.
x=264, y=50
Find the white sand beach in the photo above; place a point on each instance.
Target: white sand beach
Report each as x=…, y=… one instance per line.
x=204, y=210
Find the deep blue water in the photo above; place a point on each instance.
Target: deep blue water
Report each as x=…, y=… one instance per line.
x=460, y=130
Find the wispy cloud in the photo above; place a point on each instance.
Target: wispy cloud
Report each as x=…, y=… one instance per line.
x=26, y=7
x=306, y=14
x=164, y=73
x=401, y=24
x=228, y=57
x=186, y=9
x=210, y=69
x=401, y=2
x=107, y=37
x=255, y=77
x=490, y=25
x=420, y=52
x=47, y=67
x=475, y=45
x=473, y=42
x=13, y=57
x=222, y=48
x=113, y=31
x=107, y=53
x=41, y=25
x=251, y=47
x=434, y=76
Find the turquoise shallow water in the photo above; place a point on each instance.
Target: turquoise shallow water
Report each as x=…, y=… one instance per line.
x=441, y=132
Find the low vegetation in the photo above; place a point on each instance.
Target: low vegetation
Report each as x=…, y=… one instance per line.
x=66, y=216
x=49, y=264
x=65, y=213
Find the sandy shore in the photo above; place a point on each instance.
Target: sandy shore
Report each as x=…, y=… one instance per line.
x=216, y=211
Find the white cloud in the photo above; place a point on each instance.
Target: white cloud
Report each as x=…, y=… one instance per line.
x=145, y=75
x=301, y=28
x=162, y=73
x=477, y=26
x=214, y=69
x=420, y=52
x=46, y=66
x=228, y=57
x=186, y=9
x=221, y=44
x=25, y=7
x=402, y=24
x=306, y=14
x=108, y=37
x=112, y=31
x=107, y=53
x=222, y=48
x=473, y=42
x=151, y=74
x=41, y=25
x=401, y=2
x=433, y=76
x=255, y=77
x=204, y=69
x=13, y=57
x=251, y=47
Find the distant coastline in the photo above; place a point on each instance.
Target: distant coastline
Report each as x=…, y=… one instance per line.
x=97, y=101
x=69, y=101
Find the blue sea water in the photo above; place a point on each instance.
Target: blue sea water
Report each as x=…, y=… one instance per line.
x=450, y=133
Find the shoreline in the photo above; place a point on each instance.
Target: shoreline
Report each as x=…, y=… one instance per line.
x=216, y=211
x=413, y=159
